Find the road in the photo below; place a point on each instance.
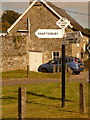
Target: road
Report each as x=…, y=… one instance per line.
x=82, y=77
x=25, y=81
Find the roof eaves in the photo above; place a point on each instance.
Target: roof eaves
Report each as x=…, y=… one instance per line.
x=74, y=23
x=47, y=5
x=44, y=2
x=8, y=30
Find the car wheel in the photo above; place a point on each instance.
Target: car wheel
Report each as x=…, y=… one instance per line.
x=43, y=70
x=77, y=72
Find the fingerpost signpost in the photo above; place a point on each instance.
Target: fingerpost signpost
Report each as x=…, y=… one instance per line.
x=63, y=23
x=68, y=38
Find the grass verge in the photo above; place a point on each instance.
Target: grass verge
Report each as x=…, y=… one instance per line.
x=44, y=101
x=31, y=75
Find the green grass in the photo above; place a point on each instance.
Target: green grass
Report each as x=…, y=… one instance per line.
x=32, y=75
x=44, y=101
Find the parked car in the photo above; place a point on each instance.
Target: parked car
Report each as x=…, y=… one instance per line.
x=74, y=63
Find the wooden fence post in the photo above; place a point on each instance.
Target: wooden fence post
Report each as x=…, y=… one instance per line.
x=54, y=68
x=58, y=68
x=66, y=68
x=27, y=70
x=81, y=98
x=21, y=103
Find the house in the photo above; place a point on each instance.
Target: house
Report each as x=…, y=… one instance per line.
x=41, y=16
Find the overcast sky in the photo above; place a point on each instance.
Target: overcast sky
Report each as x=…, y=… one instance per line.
x=79, y=7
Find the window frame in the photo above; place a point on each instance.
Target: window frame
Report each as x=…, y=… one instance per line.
x=55, y=52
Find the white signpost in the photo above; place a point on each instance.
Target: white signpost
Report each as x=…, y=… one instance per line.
x=54, y=33
x=73, y=37
x=63, y=23
x=49, y=33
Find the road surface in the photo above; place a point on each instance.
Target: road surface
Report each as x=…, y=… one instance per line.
x=82, y=77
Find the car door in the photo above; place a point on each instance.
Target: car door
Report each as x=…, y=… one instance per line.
x=52, y=64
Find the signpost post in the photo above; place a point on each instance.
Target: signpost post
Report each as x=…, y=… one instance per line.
x=63, y=75
x=69, y=38
x=63, y=23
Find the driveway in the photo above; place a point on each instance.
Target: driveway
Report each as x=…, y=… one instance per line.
x=82, y=77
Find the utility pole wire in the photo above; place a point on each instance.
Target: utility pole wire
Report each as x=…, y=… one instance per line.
x=76, y=12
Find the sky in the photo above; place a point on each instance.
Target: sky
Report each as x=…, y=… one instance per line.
x=70, y=7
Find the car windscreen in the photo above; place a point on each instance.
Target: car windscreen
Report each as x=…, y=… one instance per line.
x=54, y=61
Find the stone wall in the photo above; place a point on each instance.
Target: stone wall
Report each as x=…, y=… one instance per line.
x=14, y=62
x=15, y=50
x=47, y=47
x=14, y=53
x=77, y=49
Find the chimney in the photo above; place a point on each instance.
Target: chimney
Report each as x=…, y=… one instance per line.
x=36, y=4
x=30, y=1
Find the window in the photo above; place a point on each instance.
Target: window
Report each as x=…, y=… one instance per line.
x=56, y=61
x=55, y=54
x=70, y=60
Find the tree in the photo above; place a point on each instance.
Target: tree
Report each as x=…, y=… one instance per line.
x=8, y=18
